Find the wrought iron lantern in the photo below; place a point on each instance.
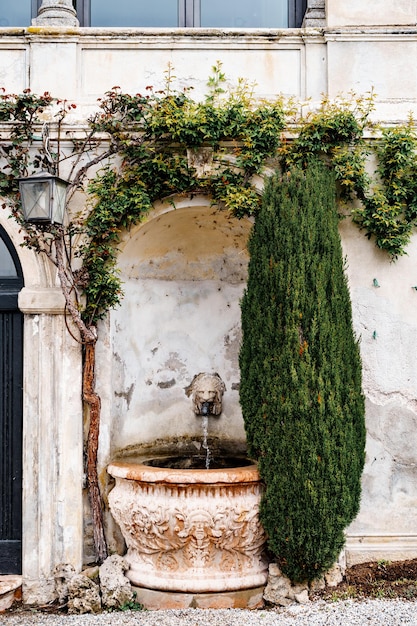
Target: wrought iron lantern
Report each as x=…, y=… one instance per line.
x=43, y=198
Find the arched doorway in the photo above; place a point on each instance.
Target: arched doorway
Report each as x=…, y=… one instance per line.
x=11, y=398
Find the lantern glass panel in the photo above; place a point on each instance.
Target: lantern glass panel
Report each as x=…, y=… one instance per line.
x=36, y=200
x=59, y=201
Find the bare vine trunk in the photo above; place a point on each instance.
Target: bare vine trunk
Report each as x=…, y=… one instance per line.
x=93, y=401
x=88, y=338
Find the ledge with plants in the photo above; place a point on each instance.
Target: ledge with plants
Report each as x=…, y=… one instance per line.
x=140, y=145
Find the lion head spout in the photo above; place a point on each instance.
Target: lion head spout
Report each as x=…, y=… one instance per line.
x=206, y=391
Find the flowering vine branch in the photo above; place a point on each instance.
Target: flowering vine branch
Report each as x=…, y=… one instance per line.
x=143, y=142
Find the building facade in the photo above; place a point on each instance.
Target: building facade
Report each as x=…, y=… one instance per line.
x=295, y=49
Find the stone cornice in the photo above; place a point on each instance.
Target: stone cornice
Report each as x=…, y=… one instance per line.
x=162, y=36
x=190, y=37
x=371, y=33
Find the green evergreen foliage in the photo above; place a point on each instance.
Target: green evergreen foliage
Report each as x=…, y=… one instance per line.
x=301, y=373
x=143, y=144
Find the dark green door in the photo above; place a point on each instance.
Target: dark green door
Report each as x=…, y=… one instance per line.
x=11, y=396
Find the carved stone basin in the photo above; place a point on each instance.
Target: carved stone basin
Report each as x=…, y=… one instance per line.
x=190, y=530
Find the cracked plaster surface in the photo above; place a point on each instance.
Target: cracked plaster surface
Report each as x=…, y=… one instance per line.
x=389, y=483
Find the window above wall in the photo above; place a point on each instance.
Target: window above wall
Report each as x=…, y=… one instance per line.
x=18, y=12
x=192, y=13
x=168, y=13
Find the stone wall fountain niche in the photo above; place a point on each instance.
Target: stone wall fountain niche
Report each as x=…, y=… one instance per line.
x=191, y=522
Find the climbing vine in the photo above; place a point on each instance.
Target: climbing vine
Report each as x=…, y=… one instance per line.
x=155, y=134
x=339, y=132
x=23, y=152
x=389, y=212
x=147, y=146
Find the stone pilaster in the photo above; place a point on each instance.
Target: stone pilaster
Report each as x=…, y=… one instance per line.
x=56, y=13
x=53, y=448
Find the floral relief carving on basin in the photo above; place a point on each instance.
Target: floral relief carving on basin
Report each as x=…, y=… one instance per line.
x=190, y=530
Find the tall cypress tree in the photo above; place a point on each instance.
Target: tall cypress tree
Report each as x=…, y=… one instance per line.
x=300, y=388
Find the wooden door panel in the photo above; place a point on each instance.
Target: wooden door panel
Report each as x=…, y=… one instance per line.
x=11, y=408
x=11, y=330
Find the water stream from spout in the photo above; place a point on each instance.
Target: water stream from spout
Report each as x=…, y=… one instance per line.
x=205, y=422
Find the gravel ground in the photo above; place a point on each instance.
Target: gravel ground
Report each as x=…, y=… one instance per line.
x=320, y=613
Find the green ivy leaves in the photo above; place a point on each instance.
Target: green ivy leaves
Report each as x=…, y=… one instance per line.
x=152, y=134
x=148, y=138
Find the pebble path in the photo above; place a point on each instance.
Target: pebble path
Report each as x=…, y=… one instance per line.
x=317, y=613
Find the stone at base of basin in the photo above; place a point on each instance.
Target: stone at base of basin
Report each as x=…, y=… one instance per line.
x=153, y=600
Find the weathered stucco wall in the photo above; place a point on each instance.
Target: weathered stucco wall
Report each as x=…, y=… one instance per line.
x=184, y=326
x=180, y=314
x=359, y=13
x=302, y=64
x=183, y=276
x=384, y=310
